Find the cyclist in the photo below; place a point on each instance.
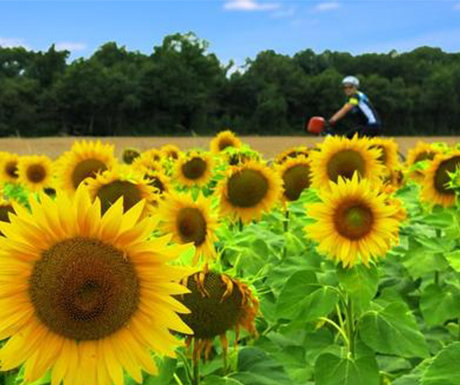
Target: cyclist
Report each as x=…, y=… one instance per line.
x=359, y=108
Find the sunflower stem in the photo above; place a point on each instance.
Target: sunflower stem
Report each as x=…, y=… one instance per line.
x=350, y=326
x=286, y=222
x=196, y=372
x=240, y=225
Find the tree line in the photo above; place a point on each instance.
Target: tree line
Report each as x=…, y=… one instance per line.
x=183, y=89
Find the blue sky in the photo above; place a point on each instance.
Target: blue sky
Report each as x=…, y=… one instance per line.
x=236, y=29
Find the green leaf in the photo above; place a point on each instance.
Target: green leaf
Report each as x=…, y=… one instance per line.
x=441, y=219
x=444, y=370
x=255, y=367
x=454, y=260
x=318, y=304
x=392, y=329
x=440, y=304
x=297, y=287
x=418, y=262
x=414, y=377
x=216, y=380
x=332, y=370
x=360, y=282
x=166, y=368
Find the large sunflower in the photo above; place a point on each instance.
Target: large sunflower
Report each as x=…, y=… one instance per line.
x=218, y=304
x=86, y=297
x=355, y=219
x=35, y=172
x=342, y=157
x=84, y=160
x=435, y=188
x=194, y=169
x=296, y=175
x=248, y=190
x=9, y=167
x=224, y=140
x=110, y=186
x=189, y=220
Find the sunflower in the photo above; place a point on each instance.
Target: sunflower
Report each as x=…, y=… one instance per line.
x=435, y=188
x=388, y=152
x=189, y=220
x=218, y=304
x=248, y=190
x=129, y=154
x=6, y=207
x=35, y=172
x=238, y=156
x=119, y=182
x=9, y=167
x=86, y=297
x=418, y=156
x=146, y=163
x=194, y=169
x=158, y=181
x=224, y=140
x=354, y=220
x=296, y=175
x=292, y=153
x=342, y=157
x=84, y=160
x=170, y=151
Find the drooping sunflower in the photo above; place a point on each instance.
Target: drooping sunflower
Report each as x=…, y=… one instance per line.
x=84, y=296
x=129, y=154
x=355, y=221
x=296, y=175
x=292, y=153
x=435, y=189
x=35, y=172
x=224, y=140
x=9, y=167
x=111, y=185
x=388, y=152
x=170, y=151
x=249, y=190
x=218, y=304
x=194, y=169
x=84, y=160
x=342, y=157
x=189, y=220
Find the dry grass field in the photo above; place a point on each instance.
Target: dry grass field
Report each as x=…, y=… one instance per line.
x=269, y=145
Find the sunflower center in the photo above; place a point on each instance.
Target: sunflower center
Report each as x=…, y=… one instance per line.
x=247, y=188
x=296, y=179
x=111, y=192
x=211, y=315
x=84, y=289
x=11, y=169
x=354, y=220
x=191, y=225
x=425, y=155
x=157, y=183
x=344, y=164
x=36, y=173
x=194, y=168
x=441, y=176
x=4, y=211
x=87, y=168
x=224, y=143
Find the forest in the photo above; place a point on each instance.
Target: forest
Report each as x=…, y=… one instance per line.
x=182, y=89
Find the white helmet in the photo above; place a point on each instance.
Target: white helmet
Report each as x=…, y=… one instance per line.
x=354, y=81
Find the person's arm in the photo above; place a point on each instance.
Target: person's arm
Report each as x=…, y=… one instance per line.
x=342, y=112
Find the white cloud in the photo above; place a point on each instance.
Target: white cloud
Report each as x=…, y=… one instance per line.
x=7, y=42
x=327, y=6
x=70, y=46
x=457, y=7
x=250, y=5
x=283, y=13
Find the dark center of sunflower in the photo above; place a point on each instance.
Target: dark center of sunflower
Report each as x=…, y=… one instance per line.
x=191, y=225
x=383, y=154
x=247, y=188
x=441, y=176
x=36, y=173
x=11, y=168
x=225, y=143
x=129, y=155
x=4, y=211
x=344, y=164
x=84, y=289
x=157, y=183
x=425, y=155
x=87, y=168
x=110, y=193
x=194, y=168
x=173, y=155
x=210, y=315
x=296, y=179
x=353, y=220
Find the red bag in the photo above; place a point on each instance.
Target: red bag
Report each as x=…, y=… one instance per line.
x=316, y=125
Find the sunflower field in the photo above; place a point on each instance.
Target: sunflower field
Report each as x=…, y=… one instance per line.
x=332, y=265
